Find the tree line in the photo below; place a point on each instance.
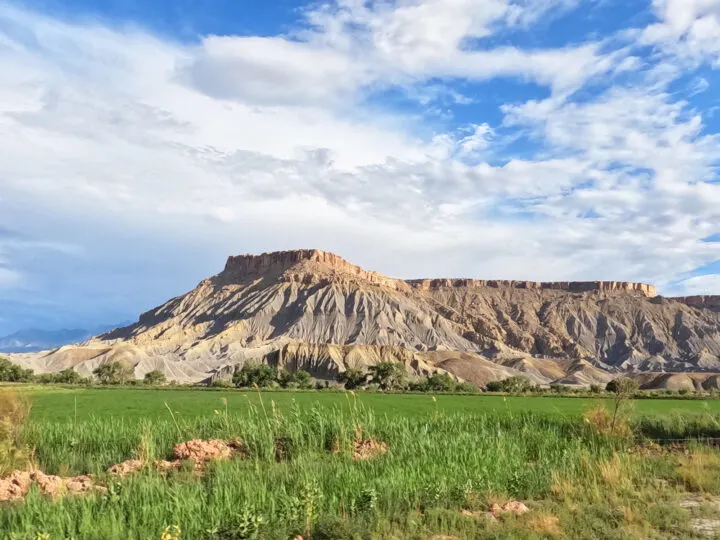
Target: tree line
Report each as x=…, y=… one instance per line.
x=383, y=376
x=109, y=373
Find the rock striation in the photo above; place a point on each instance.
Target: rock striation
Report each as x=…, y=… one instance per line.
x=313, y=310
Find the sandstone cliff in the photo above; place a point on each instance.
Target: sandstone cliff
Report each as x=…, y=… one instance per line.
x=313, y=310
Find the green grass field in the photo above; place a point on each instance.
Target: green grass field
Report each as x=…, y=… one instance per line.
x=449, y=460
x=53, y=403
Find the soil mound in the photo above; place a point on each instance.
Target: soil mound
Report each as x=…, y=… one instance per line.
x=369, y=449
x=17, y=484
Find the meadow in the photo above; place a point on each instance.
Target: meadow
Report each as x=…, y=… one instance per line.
x=61, y=403
x=448, y=460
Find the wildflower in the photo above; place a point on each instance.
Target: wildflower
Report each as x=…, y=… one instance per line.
x=171, y=532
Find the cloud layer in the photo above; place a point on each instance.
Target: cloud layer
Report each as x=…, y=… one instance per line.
x=132, y=165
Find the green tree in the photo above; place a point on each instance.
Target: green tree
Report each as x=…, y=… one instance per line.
x=388, y=375
x=352, y=378
x=261, y=375
x=155, y=378
x=113, y=373
x=10, y=372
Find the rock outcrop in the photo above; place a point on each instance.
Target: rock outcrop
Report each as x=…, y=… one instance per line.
x=313, y=310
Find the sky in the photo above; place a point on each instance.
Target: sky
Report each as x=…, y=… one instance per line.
x=142, y=143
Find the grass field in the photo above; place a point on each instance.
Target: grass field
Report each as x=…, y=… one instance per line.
x=449, y=460
x=53, y=403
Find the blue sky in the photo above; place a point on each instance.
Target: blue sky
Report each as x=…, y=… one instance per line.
x=141, y=143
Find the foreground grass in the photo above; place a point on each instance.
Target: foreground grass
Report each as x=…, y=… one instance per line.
x=442, y=471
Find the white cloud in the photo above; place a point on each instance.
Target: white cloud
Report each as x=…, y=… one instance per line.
x=700, y=285
x=355, y=45
x=687, y=28
x=154, y=160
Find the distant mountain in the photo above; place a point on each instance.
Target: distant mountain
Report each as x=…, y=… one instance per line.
x=315, y=311
x=34, y=340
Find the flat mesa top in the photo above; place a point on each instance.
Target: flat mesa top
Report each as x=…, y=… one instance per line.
x=284, y=261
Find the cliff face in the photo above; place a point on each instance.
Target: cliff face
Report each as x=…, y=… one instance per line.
x=315, y=310
x=304, y=266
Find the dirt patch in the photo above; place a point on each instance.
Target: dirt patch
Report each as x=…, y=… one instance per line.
x=126, y=467
x=369, y=449
x=17, y=484
x=82, y=484
x=202, y=451
x=196, y=450
x=512, y=507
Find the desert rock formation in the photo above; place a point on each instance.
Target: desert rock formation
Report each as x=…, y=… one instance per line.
x=313, y=310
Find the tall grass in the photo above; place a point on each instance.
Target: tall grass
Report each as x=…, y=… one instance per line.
x=14, y=411
x=433, y=462
x=437, y=464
